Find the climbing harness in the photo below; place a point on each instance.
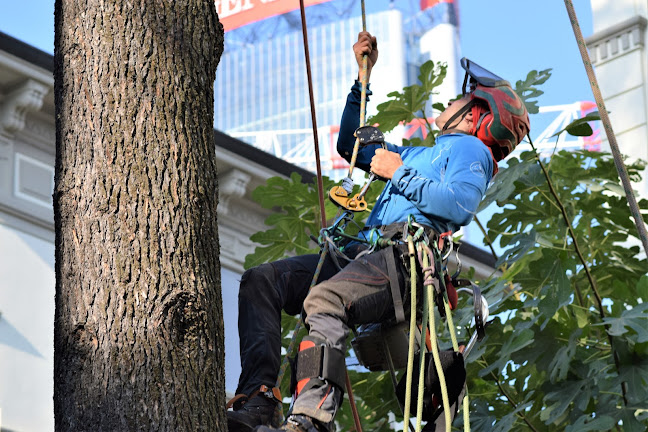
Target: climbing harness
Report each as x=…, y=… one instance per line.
x=381, y=347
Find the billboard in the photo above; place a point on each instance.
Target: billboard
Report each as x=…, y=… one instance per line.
x=237, y=13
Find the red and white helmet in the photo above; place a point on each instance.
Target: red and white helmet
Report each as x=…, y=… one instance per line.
x=501, y=120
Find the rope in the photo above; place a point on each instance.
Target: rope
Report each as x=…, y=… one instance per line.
x=412, y=332
x=320, y=192
x=363, y=105
x=422, y=352
x=437, y=361
x=435, y=354
x=455, y=346
x=320, y=183
x=605, y=119
x=466, y=413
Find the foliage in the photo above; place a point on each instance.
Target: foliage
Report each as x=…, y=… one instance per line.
x=291, y=227
x=296, y=218
x=551, y=349
x=568, y=346
x=528, y=89
x=413, y=103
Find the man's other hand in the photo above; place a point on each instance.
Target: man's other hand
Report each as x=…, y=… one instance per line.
x=385, y=163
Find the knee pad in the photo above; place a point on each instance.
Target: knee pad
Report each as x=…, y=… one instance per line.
x=317, y=363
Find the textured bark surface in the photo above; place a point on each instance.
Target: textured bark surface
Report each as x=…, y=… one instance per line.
x=138, y=336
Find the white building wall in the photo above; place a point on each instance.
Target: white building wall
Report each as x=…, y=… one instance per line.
x=441, y=44
x=618, y=53
x=26, y=330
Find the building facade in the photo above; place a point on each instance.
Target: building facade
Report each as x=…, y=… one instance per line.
x=618, y=53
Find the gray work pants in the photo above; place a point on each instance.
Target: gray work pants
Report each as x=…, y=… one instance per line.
x=359, y=293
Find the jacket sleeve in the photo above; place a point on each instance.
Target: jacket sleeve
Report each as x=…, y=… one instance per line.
x=456, y=197
x=348, y=125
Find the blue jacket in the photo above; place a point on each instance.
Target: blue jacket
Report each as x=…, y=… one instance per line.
x=439, y=186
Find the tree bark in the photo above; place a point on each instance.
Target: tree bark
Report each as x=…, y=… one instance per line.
x=138, y=337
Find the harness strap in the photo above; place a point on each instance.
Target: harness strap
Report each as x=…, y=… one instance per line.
x=237, y=401
x=399, y=311
x=461, y=113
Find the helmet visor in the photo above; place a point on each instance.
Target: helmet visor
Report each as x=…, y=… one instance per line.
x=480, y=75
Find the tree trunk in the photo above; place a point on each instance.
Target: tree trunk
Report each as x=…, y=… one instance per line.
x=138, y=336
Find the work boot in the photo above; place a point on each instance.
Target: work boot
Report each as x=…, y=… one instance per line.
x=296, y=423
x=258, y=410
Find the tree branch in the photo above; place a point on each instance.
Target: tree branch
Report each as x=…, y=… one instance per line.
x=597, y=295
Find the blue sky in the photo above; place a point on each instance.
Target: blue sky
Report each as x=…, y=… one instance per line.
x=516, y=36
x=510, y=37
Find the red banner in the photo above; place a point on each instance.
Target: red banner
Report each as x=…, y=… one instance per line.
x=426, y=4
x=237, y=13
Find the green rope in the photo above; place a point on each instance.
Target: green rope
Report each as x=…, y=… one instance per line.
x=455, y=346
x=435, y=354
x=412, y=332
x=453, y=333
x=466, y=413
x=422, y=351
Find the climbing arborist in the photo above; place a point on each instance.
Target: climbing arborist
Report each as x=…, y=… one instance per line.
x=439, y=187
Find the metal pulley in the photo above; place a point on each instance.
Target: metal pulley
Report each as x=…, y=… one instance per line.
x=340, y=195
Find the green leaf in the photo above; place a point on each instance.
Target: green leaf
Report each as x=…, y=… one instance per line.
x=642, y=288
x=403, y=107
x=503, y=185
x=481, y=419
x=587, y=423
x=562, y=397
x=439, y=106
x=432, y=75
x=515, y=342
x=522, y=243
x=527, y=89
x=582, y=317
x=507, y=422
x=550, y=274
x=635, y=377
x=635, y=319
x=630, y=422
x=580, y=127
x=559, y=366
